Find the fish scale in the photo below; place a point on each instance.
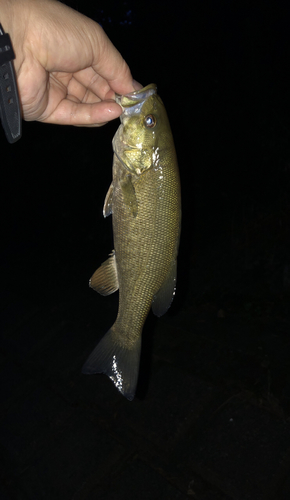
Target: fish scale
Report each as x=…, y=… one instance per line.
x=145, y=203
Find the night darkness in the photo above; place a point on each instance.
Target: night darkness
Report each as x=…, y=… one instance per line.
x=211, y=416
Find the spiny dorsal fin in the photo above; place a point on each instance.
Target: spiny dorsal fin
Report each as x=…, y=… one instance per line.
x=105, y=278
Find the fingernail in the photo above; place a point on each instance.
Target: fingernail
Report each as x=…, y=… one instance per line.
x=137, y=85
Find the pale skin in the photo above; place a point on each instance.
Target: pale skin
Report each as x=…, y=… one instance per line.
x=68, y=71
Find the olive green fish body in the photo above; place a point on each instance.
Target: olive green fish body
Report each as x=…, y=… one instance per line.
x=144, y=200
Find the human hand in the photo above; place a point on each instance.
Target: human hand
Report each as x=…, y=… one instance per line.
x=67, y=68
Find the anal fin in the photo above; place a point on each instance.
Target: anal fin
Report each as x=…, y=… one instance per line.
x=105, y=278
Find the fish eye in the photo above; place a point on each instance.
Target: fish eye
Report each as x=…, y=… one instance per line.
x=150, y=121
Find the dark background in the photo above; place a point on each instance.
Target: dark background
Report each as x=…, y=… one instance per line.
x=222, y=70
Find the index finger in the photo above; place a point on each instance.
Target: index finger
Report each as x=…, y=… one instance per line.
x=111, y=66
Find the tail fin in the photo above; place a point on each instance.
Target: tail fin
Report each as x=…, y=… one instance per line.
x=119, y=363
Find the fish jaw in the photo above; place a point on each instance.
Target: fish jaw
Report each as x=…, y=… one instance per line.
x=132, y=103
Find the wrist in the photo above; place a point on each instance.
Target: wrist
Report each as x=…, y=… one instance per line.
x=13, y=17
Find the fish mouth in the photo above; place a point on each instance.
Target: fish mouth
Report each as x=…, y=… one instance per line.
x=132, y=103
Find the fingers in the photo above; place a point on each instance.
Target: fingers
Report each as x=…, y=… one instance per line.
x=137, y=85
x=69, y=112
x=109, y=64
x=90, y=82
x=62, y=99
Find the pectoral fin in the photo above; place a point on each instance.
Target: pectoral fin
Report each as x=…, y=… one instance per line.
x=107, y=210
x=164, y=297
x=105, y=278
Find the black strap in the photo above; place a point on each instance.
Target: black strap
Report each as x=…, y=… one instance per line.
x=10, y=112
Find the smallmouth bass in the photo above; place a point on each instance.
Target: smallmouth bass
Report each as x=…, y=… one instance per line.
x=145, y=203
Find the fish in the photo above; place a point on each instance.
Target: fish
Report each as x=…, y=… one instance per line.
x=144, y=200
